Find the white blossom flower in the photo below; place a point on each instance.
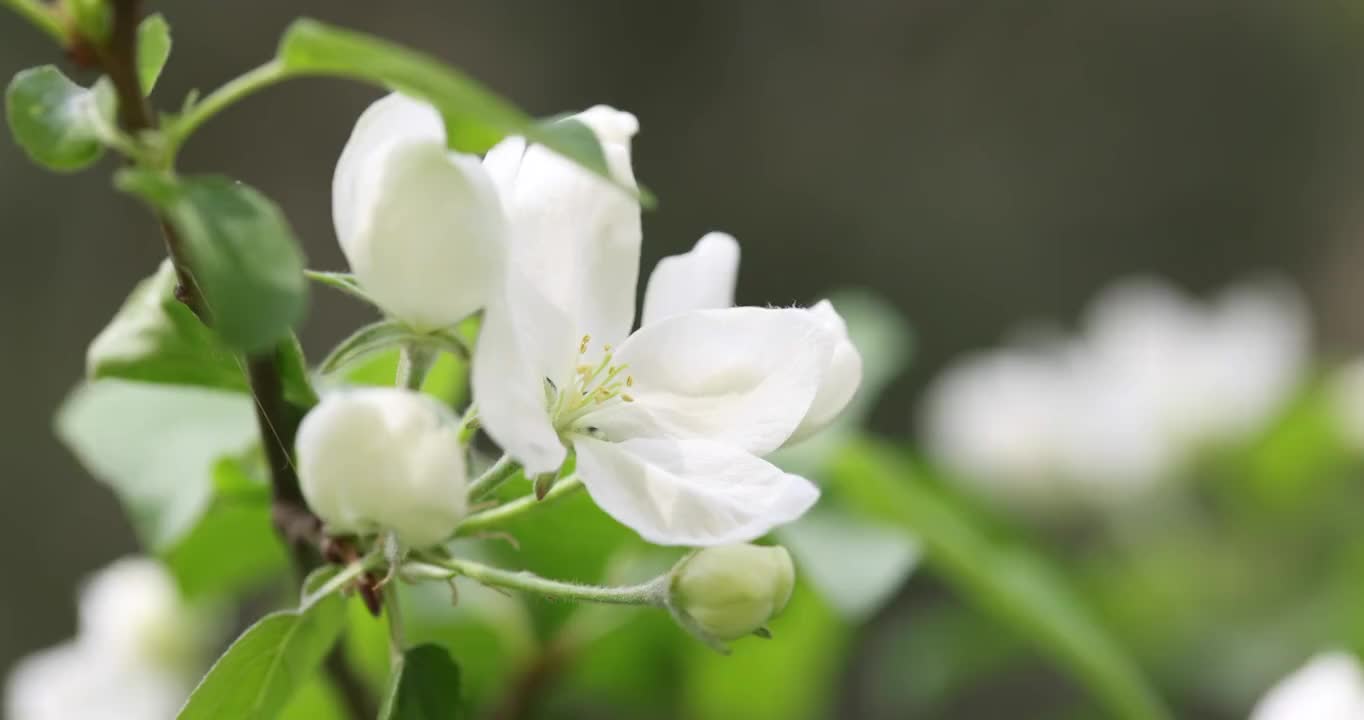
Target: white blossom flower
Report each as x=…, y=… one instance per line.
x=1104, y=416
x=419, y=224
x=1329, y=687
x=137, y=649
x=704, y=278
x=383, y=459
x=669, y=424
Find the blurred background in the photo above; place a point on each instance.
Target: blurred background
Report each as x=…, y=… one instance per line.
x=975, y=164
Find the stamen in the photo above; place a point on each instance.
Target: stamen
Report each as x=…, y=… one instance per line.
x=595, y=385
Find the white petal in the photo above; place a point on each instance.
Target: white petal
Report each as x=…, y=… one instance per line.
x=503, y=163
x=743, y=376
x=377, y=459
x=1330, y=687
x=392, y=118
x=523, y=342
x=575, y=235
x=421, y=227
x=841, y=378
x=698, y=280
x=690, y=492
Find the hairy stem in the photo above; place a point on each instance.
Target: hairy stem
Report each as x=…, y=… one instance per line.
x=500, y=472
x=652, y=593
x=414, y=362
x=491, y=519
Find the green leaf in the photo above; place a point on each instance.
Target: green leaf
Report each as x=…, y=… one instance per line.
x=344, y=282
x=1006, y=579
x=260, y=672
x=475, y=117
x=59, y=124
x=794, y=676
x=153, y=49
x=424, y=686
x=315, y=700
x=177, y=457
x=293, y=368
x=233, y=546
x=488, y=634
x=155, y=338
x=245, y=259
x=156, y=446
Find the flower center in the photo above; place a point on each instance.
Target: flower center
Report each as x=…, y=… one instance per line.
x=594, y=385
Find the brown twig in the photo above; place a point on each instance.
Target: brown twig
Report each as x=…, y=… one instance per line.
x=277, y=418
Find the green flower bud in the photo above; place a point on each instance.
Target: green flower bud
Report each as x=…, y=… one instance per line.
x=724, y=593
x=91, y=18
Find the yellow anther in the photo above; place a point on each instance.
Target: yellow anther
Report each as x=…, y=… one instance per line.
x=606, y=348
x=626, y=397
x=629, y=381
x=582, y=346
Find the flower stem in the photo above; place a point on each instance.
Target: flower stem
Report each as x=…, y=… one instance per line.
x=653, y=593
x=488, y=519
x=414, y=361
x=469, y=424
x=396, y=642
x=500, y=472
x=41, y=16
x=337, y=581
x=239, y=87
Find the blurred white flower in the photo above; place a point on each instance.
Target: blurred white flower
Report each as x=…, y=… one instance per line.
x=132, y=610
x=74, y=682
x=670, y=423
x=383, y=459
x=1155, y=378
x=1329, y=687
x=135, y=655
x=419, y=224
x=1207, y=373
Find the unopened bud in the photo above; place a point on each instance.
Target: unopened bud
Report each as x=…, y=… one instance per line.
x=724, y=593
x=383, y=459
x=90, y=18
